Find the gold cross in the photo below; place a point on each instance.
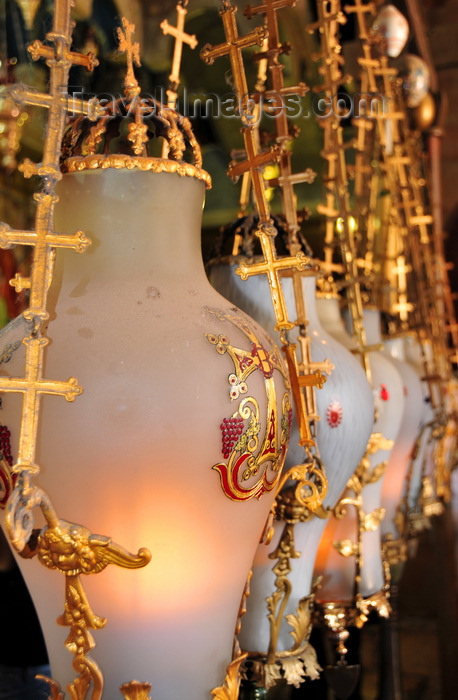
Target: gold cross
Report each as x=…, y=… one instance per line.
x=132, y=51
x=181, y=37
x=298, y=382
x=270, y=9
x=43, y=239
x=271, y=53
x=233, y=48
x=38, y=50
x=254, y=161
x=337, y=196
x=361, y=10
x=401, y=270
x=338, y=17
x=271, y=267
x=32, y=386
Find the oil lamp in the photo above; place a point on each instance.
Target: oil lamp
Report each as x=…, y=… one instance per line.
x=178, y=433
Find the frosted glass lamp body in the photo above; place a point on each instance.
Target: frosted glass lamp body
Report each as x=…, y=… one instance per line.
x=342, y=433
x=339, y=571
x=136, y=321
x=424, y=461
x=394, y=481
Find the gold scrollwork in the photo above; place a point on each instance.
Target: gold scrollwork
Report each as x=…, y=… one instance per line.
x=290, y=511
x=136, y=690
x=310, y=488
x=73, y=550
x=230, y=689
x=248, y=453
x=294, y=664
x=364, y=475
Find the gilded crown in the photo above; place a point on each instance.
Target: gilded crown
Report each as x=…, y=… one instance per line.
x=121, y=136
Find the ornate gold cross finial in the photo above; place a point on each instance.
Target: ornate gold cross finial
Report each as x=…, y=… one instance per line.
x=361, y=9
x=132, y=51
x=337, y=193
x=181, y=37
x=270, y=9
x=273, y=49
x=232, y=47
x=254, y=161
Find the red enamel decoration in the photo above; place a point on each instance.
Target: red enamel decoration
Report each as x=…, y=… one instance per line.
x=231, y=429
x=270, y=447
x=334, y=414
x=384, y=393
x=290, y=420
x=262, y=359
x=7, y=480
x=5, y=445
x=243, y=361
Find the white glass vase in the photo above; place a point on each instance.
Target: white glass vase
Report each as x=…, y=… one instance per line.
x=339, y=571
x=175, y=444
x=394, y=481
x=343, y=430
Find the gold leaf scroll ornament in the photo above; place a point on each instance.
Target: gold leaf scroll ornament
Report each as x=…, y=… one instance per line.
x=72, y=549
x=230, y=689
x=249, y=453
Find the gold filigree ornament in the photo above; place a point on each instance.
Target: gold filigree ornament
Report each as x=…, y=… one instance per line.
x=136, y=691
x=300, y=661
x=254, y=461
x=230, y=689
x=73, y=550
x=378, y=601
x=367, y=522
x=134, y=121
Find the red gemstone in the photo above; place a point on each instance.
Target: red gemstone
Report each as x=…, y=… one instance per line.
x=334, y=414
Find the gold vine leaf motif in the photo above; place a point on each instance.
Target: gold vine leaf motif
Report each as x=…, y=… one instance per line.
x=310, y=661
x=251, y=432
x=364, y=474
x=394, y=551
x=72, y=548
x=230, y=689
x=347, y=548
x=294, y=671
x=136, y=690
x=54, y=688
x=371, y=477
x=89, y=675
x=301, y=622
x=371, y=521
x=354, y=483
x=378, y=442
x=78, y=615
x=272, y=674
